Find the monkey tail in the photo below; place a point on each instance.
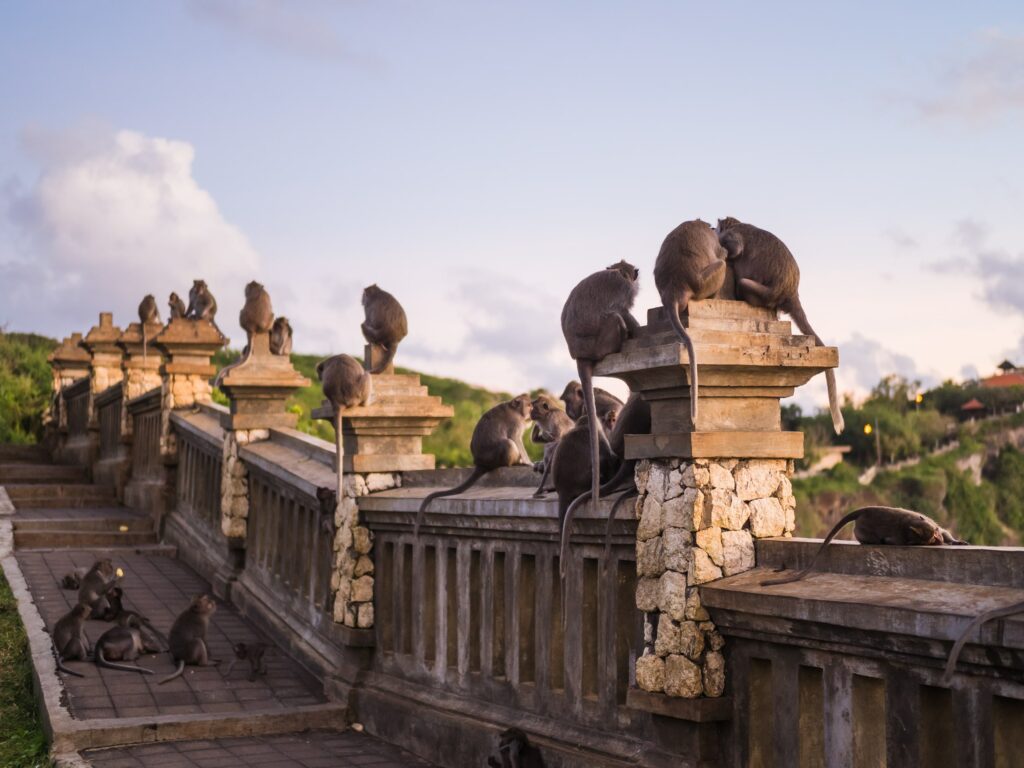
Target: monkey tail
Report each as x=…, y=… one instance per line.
x=620, y=474
x=388, y=359
x=177, y=673
x=977, y=621
x=849, y=518
x=65, y=670
x=796, y=311
x=586, y=371
x=677, y=323
x=477, y=473
x=629, y=494
x=103, y=662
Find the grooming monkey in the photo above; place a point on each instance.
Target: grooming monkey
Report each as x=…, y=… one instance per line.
x=497, y=442
x=95, y=585
x=549, y=424
x=595, y=322
x=977, y=621
x=254, y=654
x=69, y=640
x=881, y=525
x=188, y=636
x=576, y=406
x=120, y=615
x=690, y=266
x=123, y=643
x=177, y=306
x=148, y=314
x=767, y=275
x=281, y=337
x=385, y=325
x=201, y=304
x=516, y=751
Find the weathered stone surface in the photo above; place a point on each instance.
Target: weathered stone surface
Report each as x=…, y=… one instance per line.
x=649, y=561
x=703, y=569
x=650, y=673
x=364, y=615
x=683, y=511
x=681, y=677
x=694, y=609
x=720, y=476
x=362, y=589
x=380, y=481
x=364, y=565
x=714, y=674
x=710, y=540
x=650, y=519
x=672, y=594
x=677, y=546
x=694, y=476
x=790, y=520
x=756, y=479
x=669, y=640
x=647, y=591
x=738, y=547
x=657, y=481
x=767, y=518
x=726, y=510
x=640, y=475
x=714, y=640
x=691, y=640
x=362, y=542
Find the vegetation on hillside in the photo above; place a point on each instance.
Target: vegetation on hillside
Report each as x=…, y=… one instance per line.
x=24, y=385
x=22, y=741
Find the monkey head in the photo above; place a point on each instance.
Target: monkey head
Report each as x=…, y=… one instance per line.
x=369, y=292
x=203, y=605
x=199, y=285
x=727, y=223
x=105, y=567
x=541, y=406
x=625, y=269
x=328, y=498
x=522, y=405
x=253, y=290
x=609, y=419
x=81, y=611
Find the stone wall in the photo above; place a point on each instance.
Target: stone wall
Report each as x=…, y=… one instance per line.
x=353, y=576
x=697, y=523
x=179, y=390
x=234, y=481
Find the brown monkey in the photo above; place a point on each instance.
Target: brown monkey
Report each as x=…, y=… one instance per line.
x=690, y=266
x=977, y=621
x=177, y=306
x=201, y=304
x=767, y=275
x=117, y=613
x=595, y=322
x=345, y=384
x=497, y=441
x=69, y=638
x=148, y=315
x=575, y=402
x=881, y=525
x=122, y=643
x=253, y=653
x=385, y=323
x=96, y=583
x=281, y=337
x=549, y=424
x=633, y=419
x=516, y=751
x=256, y=316
x=188, y=636
x=73, y=579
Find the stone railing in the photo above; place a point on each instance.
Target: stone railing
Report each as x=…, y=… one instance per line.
x=146, y=487
x=77, y=445
x=112, y=465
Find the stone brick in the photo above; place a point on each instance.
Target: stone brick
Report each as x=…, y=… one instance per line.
x=647, y=591
x=657, y=481
x=640, y=475
x=672, y=595
x=694, y=609
x=650, y=673
x=714, y=640
x=364, y=565
x=683, y=511
x=725, y=509
x=756, y=479
x=767, y=518
x=703, y=569
x=354, y=486
x=650, y=520
x=720, y=476
x=714, y=674
x=682, y=678
x=677, y=548
x=649, y=561
x=738, y=548
x=696, y=477
x=380, y=481
x=361, y=540
x=362, y=589
x=668, y=640
x=364, y=615
x=710, y=540
x=691, y=640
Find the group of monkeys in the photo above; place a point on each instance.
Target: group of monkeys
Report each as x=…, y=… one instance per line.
x=101, y=597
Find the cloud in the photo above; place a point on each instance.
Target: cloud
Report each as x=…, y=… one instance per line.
x=110, y=218
x=1000, y=272
x=900, y=238
x=982, y=85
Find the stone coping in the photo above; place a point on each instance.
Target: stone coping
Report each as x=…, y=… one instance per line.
x=147, y=401
x=293, y=468
x=991, y=566
x=76, y=388
x=200, y=425
x=929, y=610
x=108, y=395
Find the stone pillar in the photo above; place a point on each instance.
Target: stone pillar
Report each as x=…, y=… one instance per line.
x=140, y=365
x=380, y=441
x=707, y=490
x=185, y=375
x=105, y=365
x=258, y=387
x=69, y=362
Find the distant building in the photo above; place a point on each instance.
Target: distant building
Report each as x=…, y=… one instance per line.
x=972, y=409
x=1007, y=367
x=1011, y=376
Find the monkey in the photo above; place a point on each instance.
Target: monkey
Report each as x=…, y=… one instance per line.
x=148, y=314
x=256, y=316
x=188, y=636
x=977, y=621
x=881, y=525
x=95, y=585
x=549, y=424
x=345, y=384
x=117, y=613
x=633, y=419
x=767, y=275
x=253, y=653
x=497, y=441
x=385, y=325
x=281, y=337
x=123, y=643
x=73, y=579
x=575, y=402
x=201, y=304
x=69, y=640
x=690, y=266
x=328, y=499
x=595, y=322
x=177, y=306
x=516, y=751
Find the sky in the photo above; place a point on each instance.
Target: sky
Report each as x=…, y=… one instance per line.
x=478, y=159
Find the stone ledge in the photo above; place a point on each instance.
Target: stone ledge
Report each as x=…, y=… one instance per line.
x=703, y=710
x=712, y=445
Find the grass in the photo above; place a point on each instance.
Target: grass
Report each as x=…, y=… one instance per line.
x=22, y=741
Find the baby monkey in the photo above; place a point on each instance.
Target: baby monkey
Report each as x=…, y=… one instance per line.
x=176, y=306
x=550, y=423
x=252, y=653
x=516, y=751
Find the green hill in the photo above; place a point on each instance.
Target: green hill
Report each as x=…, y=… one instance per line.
x=24, y=385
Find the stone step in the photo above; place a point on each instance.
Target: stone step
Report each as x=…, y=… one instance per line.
x=29, y=453
x=114, y=521
x=26, y=473
x=82, y=539
x=26, y=491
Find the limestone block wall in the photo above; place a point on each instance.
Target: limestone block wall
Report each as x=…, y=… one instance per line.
x=352, y=579
x=234, y=482
x=179, y=390
x=697, y=522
